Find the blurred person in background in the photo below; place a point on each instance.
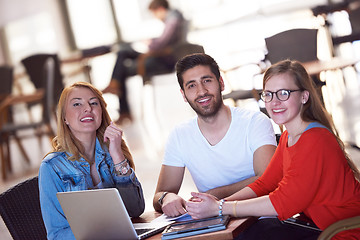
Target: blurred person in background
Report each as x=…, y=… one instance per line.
x=130, y=62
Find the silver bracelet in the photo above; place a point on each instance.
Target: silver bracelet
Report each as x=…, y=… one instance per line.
x=221, y=207
x=120, y=163
x=124, y=167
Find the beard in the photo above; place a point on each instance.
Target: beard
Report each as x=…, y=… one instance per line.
x=210, y=110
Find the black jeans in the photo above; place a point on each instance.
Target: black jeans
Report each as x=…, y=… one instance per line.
x=126, y=66
x=274, y=229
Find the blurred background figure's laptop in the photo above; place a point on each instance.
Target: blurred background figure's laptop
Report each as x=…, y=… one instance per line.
x=101, y=214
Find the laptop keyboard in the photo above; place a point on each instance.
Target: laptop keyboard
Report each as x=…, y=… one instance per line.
x=143, y=230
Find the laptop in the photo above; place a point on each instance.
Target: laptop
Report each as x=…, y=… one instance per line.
x=101, y=214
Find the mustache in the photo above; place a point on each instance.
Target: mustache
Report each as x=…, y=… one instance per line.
x=203, y=96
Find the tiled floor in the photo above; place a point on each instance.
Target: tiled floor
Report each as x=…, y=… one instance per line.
x=145, y=136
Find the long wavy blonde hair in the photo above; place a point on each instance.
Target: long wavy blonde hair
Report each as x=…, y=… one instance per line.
x=65, y=141
x=313, y=109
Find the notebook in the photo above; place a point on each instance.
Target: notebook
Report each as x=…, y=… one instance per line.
x=101, y=214
x=195, y=227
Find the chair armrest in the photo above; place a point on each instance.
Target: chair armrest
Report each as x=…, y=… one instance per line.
x=339, y=226
x=11, y=100
x=143, y=57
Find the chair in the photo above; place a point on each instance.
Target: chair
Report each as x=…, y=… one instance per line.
x=243, y=94
x=34, y=66
x=180, y=50
x=354, y=18
x=6, y=76
x=20, y=210
x=339, y=226
x=43, y=126
x=296, y=44
x=84, y=60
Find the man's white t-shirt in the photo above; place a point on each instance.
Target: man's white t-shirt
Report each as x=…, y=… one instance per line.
x=227, y=162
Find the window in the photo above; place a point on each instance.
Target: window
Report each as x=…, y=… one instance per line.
x=135, y=20
x=92, y=23
x=29, y=35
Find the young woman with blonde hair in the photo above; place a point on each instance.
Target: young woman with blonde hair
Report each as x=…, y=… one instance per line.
x=89, y=152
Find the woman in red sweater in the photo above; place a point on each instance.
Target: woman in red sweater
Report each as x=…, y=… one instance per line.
x=309, y=173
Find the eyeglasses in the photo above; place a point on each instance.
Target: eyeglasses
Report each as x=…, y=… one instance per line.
x=282, y=95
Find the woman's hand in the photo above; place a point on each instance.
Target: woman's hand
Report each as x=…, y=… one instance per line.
x=202, y=205
x=114, y=135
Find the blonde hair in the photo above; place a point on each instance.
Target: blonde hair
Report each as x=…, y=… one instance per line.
x=313, y=109
x=65, y=141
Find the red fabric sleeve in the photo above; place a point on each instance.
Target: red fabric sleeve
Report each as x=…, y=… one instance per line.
x=313, y=177
x=271, y=177
x=303, y=166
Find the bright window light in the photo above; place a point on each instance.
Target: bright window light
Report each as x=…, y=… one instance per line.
x=92, y=23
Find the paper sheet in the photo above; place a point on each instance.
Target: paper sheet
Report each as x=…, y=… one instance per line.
x=165, y=218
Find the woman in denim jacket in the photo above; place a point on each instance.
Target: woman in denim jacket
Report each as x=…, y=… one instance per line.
x=86, y=155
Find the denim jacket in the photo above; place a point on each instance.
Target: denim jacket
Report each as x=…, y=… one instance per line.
x=59, y=174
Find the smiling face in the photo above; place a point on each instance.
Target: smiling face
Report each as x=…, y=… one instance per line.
x=83, y=112
x=285, y=112
x=202, y=90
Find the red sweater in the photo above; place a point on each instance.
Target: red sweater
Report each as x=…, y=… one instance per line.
x=313, y=177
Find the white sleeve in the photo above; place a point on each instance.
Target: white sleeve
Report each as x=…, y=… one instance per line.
x=173, y=153
x=261, y=131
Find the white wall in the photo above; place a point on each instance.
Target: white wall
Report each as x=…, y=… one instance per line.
x=16, y=10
